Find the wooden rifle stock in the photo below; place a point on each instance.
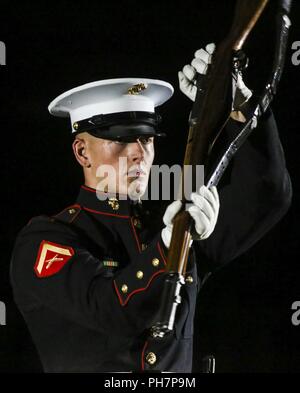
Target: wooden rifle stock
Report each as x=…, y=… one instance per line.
x=207, y=121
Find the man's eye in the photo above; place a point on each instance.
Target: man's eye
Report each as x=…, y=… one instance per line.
x=146, y=140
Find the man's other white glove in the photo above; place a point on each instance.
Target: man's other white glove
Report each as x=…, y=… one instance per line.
x=188, y=76
x=204, y=210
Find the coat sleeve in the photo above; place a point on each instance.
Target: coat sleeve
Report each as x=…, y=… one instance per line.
x=254, y=194
x=80, y=290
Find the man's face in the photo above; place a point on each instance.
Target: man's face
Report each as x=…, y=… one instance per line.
x=120, y=166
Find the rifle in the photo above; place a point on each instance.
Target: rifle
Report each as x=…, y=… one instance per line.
x=211, y=111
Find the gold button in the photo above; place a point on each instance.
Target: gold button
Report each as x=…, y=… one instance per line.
x=151, y=358
x=136, y=222
x=155, y=262
x=72, y=211
x=189, y=280
x=124, y=288
x=75, y=126
x=139, y=274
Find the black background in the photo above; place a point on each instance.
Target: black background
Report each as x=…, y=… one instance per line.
x=244, y=313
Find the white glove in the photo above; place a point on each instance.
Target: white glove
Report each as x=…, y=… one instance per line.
x=187, y=77
x=204, y=210
x=240, y=92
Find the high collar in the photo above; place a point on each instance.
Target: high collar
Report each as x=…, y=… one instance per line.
x=112, y=205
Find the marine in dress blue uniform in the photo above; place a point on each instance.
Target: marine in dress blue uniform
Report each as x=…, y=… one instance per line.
x=88, y=280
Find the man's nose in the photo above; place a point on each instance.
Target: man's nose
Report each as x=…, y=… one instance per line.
x=136, y=153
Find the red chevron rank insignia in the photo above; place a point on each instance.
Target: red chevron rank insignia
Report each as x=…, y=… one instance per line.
x=51, y=258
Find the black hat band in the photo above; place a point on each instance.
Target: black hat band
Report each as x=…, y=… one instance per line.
x=106, y=121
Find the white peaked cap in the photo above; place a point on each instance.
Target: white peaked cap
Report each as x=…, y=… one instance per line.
x=111, y=96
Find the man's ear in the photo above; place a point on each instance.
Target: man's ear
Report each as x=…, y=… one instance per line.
x=80, y=151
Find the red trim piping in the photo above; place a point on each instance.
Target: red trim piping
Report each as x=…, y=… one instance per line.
x=162, y=254
x=135, y=235
x=124, y=302
x=88, y=188
x=104, y=214
x=118, y=293
x=143, y=355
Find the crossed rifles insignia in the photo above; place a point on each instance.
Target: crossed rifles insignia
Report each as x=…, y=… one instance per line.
x=51, y=258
